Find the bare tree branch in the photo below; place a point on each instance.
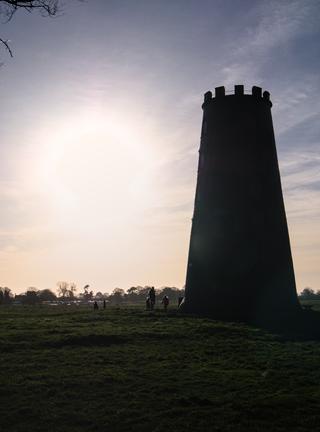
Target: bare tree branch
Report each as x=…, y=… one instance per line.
x=46, y=7
x=6, y=44
x=9, y=7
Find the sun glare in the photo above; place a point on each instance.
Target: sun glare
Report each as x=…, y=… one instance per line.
x=93, y=167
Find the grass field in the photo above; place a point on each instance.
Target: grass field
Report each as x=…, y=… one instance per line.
x=72, y=369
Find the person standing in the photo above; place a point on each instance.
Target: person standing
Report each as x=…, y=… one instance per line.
x=152, y=296
x=165, y=302
x=148, y=305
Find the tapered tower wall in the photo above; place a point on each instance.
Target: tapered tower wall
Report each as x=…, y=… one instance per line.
x=240, y=264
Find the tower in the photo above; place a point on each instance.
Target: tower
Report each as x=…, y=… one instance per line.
x=239, y=265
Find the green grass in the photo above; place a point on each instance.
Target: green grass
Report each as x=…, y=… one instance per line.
x=72, y=369
x=315, y=304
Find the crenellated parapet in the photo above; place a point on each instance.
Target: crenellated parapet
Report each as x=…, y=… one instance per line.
x=239, y=91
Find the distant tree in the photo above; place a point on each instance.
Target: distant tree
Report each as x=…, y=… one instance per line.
x=117, y=295
x=72, y=290
x=143, y=291
x=172, y=293
x=66, y=290
x=19, y=298
x=308, y=294
x=132, y=294
x=138, y=293
x=63, y=288
x=6, y=296
x=47, y=295
x=87, y=295
x=32, y=296
x=132, y=290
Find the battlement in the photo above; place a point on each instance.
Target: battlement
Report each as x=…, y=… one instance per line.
x=239, y=90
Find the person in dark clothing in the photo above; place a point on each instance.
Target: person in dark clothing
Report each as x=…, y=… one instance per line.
x=104, y=304
x=165, y=302
x=148, y=303
x=152, y=296
x=95, y=306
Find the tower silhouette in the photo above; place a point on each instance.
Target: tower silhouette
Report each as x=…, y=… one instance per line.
x=239, y=265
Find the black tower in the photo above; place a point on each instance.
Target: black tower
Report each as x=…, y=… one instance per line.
x=240, y=265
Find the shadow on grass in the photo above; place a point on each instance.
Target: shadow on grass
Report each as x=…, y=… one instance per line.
x=304, y=325
x=87, y=341
x=194, y=401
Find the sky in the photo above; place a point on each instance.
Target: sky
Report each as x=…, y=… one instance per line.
x=100, y=127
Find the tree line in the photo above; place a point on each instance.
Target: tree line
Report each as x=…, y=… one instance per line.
x=309, y=294
x=66, y=292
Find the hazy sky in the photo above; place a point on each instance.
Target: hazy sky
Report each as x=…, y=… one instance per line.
x=100, y=123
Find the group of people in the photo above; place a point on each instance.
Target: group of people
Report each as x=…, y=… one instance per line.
x=151, y=300
x=96, y=306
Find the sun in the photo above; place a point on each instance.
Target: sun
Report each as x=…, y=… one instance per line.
x=93, y=166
